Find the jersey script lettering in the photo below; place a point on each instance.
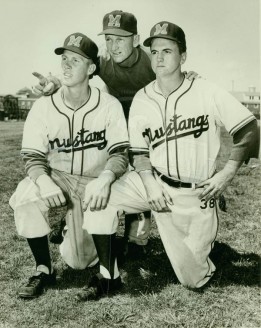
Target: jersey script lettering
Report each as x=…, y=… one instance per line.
x=83, y=140
x=178, y=128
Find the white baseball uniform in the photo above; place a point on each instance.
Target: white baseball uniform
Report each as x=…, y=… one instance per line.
x=179, y=136
x=78, y=145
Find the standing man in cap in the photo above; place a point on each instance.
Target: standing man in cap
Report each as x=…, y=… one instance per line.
x=174, y=129
x=75, y=138
x=125, y=70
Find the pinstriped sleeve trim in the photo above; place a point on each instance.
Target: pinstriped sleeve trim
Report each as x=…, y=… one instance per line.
x=31, y=150
x=118, y=145
x=241, y=124
x=138, y=150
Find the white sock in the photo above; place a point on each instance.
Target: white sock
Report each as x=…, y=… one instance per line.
x=43, y=268
x=106, y=274
x=116, y=270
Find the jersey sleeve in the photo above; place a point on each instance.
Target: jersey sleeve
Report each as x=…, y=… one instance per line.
x=116, y=126
x=35, y=135
x=137, y=124
x=246, y=143
x=230, y=112
x=139, y=150
x=35, y=141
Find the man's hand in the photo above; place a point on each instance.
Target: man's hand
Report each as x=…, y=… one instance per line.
x=191, y=75
x=158, y=197
x=47, y=85
x=215, y=186
x=103, y=52
x=49, y=192
x=97, y=192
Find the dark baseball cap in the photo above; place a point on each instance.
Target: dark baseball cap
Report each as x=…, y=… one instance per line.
x=80, y=44
x=119, y=23
x=166, y=30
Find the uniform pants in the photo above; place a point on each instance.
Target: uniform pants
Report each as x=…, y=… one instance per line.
x=31, y=217
x=188, y=232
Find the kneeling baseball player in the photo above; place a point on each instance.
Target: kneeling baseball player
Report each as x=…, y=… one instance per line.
x=73, y=140
x=174, y=129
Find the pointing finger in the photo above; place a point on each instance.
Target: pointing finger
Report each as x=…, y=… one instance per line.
x=42, y=80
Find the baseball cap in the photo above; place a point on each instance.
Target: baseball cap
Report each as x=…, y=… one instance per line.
x=120, y=23
x=80, y=44
x=166, y=30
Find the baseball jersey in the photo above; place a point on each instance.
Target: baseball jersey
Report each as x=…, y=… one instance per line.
x=180, y=134
x=78, y=141
x=124, y=82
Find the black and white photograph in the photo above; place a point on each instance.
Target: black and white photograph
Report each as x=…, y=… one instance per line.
x=130, y=164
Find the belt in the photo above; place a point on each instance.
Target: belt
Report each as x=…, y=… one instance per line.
x=174, y=183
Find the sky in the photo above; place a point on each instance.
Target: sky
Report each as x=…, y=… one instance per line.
x=223, y=36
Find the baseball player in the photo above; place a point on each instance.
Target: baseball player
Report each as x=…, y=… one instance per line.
x=125, y=69
x=174, y=129
x=75, y=138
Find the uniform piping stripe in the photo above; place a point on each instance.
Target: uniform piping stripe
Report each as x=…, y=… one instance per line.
x=72, y=144
x=83, y=119
x=154, y=89
x=31, y=150
x=123, y=143
x=155, y=101
x=70, y=127
x=144, y=150
x=241, y=124
x=69, y=123
x=176, y=143
x=213, y=241
x=75, y=110
x=146, y=93
x=165, y=123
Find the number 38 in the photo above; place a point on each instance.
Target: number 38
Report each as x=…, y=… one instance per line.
x=210, y=203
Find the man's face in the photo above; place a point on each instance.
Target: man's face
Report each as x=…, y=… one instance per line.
x=165, y=57
x=119, y=47
x=75, y=68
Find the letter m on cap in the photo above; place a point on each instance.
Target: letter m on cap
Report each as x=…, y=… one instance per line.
x=76, y=42
x=161, y=29
x=114, y=21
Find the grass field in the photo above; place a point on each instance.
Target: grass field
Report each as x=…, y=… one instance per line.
x=152, y=296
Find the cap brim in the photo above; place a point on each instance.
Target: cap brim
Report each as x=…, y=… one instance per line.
x=59, y=51
x=115, y=31
x=147, y=42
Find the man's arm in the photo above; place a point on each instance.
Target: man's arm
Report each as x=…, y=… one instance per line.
x=216, y=185
x=245, y=146
x=37, y=169
x=158, y=197
x=97, y=192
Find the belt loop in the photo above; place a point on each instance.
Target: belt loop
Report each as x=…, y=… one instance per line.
x=193, y=185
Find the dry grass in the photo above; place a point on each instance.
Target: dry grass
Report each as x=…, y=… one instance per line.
x=152, y=297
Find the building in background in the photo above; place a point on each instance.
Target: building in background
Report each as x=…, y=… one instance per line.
x=17, y=106
x=250, y=99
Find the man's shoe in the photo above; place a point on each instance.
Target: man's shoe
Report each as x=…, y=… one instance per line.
x=99, y=287
x=36, y=285
x=56, y=235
